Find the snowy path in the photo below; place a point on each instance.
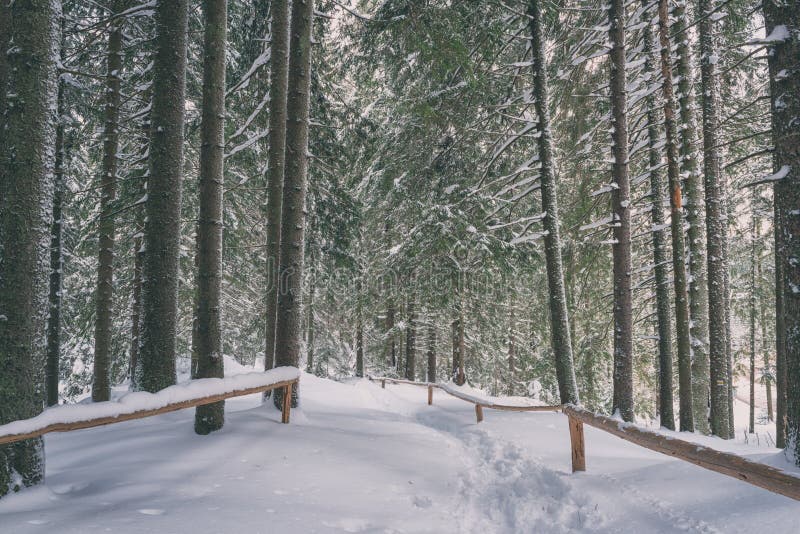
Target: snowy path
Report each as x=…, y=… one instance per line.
x=357, y=458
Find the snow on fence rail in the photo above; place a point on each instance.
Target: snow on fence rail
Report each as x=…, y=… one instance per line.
x=141, y=404
x=756, y=473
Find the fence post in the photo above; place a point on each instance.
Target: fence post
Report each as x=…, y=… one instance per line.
x=430, y=395
x=479, y=412
x=287, y=403
x=577, y=445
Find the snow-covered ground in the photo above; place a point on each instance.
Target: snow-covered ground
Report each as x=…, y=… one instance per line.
x=358, y=458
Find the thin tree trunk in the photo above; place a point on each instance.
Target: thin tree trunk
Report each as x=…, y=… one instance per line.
x=207, y=361
x=620, y=205
x=695, y=217
x=784, y=69
x=411, y=341
x=279, y=68
x=559, y=318
x=27, y=141
x=781, y=380
x=160, y=271
x=431, y=351
x=717, y=228
x=287, y=339
x=755, y=230
x=676, y=218
x=767, y=372
x=56, y=253
x=359, y=331
x=663, y=302
x=104, y=295
x=392, y=346
x=512, y=352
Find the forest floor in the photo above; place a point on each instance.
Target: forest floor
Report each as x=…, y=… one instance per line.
x=358, y=458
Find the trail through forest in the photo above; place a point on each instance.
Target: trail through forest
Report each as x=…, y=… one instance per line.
x=365, y=459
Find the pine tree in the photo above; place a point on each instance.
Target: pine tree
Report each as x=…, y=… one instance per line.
x=620, y=206
x=559, y=318
x=288, y=338
x=156, y=362
x=676, y=218
x=207, y=361
x=279, y=65
x=27, y=142
x=783, y=38
x=104, y=295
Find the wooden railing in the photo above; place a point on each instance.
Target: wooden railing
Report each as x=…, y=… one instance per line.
x=286, y=385
x=758, y=474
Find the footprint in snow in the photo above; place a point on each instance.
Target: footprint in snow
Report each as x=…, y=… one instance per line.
x=422, y=501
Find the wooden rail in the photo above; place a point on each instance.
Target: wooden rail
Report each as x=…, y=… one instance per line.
x=172, y=407
x=479, y=404
x=758, y=474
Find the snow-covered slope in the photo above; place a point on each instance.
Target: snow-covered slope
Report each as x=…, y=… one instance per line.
x=358, y=458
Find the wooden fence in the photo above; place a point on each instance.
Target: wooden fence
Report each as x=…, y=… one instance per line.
x=758, y=474
x=172, y=407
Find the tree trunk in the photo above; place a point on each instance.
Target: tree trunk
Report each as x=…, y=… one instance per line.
x=663, y=302
x=431, y=351
x=411, y=338
x=512, y=354
x=392, y=347
x=104, y=295
x=695, y=217
x=359, y=331
x=785, y=96
x=310, y=326
x=557, y=302
x=56, y=252
x=27, y=141
x=207, y=361
x=755, y=230
x=716, y=219
x=620, y=205
x=767, y=373
x=676, y=218
x=279, y=67
x=287, y=339
x=160, y=272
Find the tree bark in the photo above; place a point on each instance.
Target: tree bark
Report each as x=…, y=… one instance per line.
x=160, y=272
x=431, y=351
x=207, y=361
x=359, y=330
x=716, y=218
x=784, y=70
x=310, y=326
x=411, y=341
x=279, y=67
x=663, y=301
x=287, y=339
x=695, y=217
x=557, y=301
x=27, y=141
x=755, y=230
x=620, y=205
x=104, y=294
x=676, y=218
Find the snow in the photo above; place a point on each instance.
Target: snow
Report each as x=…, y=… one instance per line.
x=358, y=458
x=780, y=175
x=142, y=400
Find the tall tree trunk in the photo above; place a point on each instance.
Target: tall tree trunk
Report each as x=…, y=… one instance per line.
x=676, y=218
x=557, y=302
x=784, y=69
x=755, y=230
x=104, y=294
x=781, y=380
x=767, y=375
x=287, y=339
x=312, y=286
x=663, y=302
x=512, y=354
x=27, y=141
x=56, y=250
x=391, y=345
x=431, y=351
x=207, y=361
x=279, y=69
x=156, y=369
x=695, y=217
x=716, y=218
x=359, y=330
x=411, y=341
x=620, y=205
